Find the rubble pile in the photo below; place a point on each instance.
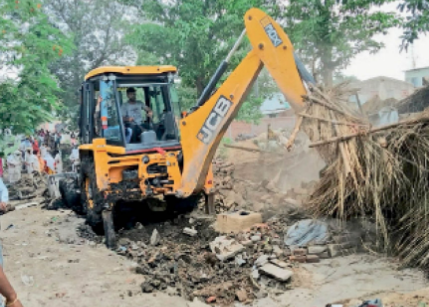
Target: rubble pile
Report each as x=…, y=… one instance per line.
x=245, y=136
x=188, y=255
x=233, y=194
x=27, y=187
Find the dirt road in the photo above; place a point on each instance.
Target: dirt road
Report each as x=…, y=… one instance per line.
x=50, y=265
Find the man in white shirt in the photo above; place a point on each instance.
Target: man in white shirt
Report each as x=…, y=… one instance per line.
x=74, y=158
x=14, y=166
x=133, y=115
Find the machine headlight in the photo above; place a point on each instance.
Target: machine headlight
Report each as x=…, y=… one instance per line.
x=145, y=159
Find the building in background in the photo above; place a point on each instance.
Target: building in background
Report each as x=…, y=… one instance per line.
x=383, y=87
x=418, y=77
x=274, y=106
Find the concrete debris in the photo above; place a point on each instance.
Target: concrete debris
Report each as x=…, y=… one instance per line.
x=276, y=272
x=316, y=249
x=239, y=260
x=241, y=295
x=155, y=238
x=190, y=232
x=225, y=249
x=312, y=259
x=237, y=221
x=255, y=238
x=280, y=264
x=262, y=260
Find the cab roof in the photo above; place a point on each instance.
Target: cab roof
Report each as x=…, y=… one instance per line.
x=131, y=70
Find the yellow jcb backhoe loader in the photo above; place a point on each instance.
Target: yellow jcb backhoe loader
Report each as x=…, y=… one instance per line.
x=170, y=161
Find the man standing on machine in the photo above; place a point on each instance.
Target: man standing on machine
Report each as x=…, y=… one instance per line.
x=133, y=117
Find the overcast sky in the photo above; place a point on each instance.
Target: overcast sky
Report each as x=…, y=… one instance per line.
x=389, y=61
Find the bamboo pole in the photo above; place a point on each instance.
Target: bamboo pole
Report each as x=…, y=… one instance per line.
x=345, y=156
x=331, y=121
x=349, y=136
x=294, y=133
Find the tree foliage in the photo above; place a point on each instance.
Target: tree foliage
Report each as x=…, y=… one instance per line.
x=96, y=29
x=195, y=36
x=417, y=20
x=328, y=34
x=28, y=44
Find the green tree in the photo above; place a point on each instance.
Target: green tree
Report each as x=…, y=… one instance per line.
x=328, y=34
x=96, y=28
x=28, y=44
x=195, y=36
x=417, y=20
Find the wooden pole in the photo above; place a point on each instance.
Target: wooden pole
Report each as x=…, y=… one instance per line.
x=349, y=136
x=294, y=132
x=343, y=151
x=331, y=121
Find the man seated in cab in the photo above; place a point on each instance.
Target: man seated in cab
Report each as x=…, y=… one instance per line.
x=133, y=117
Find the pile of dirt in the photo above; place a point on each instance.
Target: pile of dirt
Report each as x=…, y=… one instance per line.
x=375, y=104
x=28, y=187
x=240, y=186
x=188, y=264
x=185, y=256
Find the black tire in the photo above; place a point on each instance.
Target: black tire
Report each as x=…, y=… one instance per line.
x=91, y=199
x=70, y=195
x=183, y=205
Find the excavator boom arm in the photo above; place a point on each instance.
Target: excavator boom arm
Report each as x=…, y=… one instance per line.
x=203, y=129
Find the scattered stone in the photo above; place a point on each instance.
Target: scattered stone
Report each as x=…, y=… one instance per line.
x=277, y=251
x=334, y=249
x=316, y=249
x=255, y=274
x=124, y=242
x=190, y=232
x=225, y=248
x=191, y=220
x=147, y=287
x=268, y=249
x=276, y=272
x=300, y=259
x=246, y=242
x=155, y=238
x=139, y=226
x=280, y=264
x=255, y=238
x=261, y=260
x=324, y=255
x=313, y=259
x=239, y=260
x=241, y=295
x=299, y=252
x=237, y=221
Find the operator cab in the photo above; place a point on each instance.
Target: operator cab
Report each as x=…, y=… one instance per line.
x=104, y=101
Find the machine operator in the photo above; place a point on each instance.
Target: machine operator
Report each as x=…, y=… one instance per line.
x=133, y=118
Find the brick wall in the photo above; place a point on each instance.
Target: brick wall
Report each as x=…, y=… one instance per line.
x=237, y=127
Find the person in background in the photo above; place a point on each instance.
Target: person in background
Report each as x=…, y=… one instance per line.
x=73, y=138
x=58, y=162
x=49, y=163
x=6, y=289
x=14, y=166
x=32, y=162
x=74, y=158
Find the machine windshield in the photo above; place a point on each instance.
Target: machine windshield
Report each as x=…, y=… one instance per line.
x=147, y=113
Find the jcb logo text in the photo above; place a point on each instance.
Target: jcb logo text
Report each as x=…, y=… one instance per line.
x=209, y=129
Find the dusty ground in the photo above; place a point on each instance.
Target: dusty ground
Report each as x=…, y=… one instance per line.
x=51, y=266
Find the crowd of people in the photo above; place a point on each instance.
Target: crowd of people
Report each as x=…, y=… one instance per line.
x=39, y=154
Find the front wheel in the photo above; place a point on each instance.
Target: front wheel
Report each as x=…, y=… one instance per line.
x=92, y=200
